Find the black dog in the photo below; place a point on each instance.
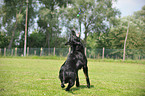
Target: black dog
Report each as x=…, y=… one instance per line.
x=67, y=72
x=75, y=61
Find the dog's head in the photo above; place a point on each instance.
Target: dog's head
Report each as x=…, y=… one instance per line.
x=73, y=39
x=75, y=42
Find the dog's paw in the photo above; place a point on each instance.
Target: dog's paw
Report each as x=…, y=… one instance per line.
x=62, y=85
x=78, y=85
x=66, y=89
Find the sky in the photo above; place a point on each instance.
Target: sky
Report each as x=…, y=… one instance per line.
x=128, y=7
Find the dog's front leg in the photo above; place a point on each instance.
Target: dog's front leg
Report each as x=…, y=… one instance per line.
x=62, y=83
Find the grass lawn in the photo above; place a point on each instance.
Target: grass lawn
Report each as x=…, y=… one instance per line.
x=34, y=77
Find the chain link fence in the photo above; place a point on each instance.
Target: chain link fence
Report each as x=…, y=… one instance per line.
x=134, y=54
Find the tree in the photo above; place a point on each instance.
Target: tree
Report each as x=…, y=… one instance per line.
x=13, y=18
x=97, y=18
x=9, y=14
x=140, y=14
x=114, y=39
x=125, y=42
x=49, y=19
x=117, y=34
x=36, y=40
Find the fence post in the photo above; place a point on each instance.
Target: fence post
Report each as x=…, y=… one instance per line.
x=107, y=56
x=94, y=56
x=15, y=51
x=27, y=51
x=12, y=53
x=54, y=51
x=85, y=51
x=139, y=57
x=41, y=51
x=0, y=51
x=5, y=51
x=103, y=53
x=34, y=52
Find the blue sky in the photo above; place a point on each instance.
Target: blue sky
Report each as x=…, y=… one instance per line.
x=128, y=7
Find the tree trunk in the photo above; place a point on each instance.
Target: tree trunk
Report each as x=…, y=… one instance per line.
x=13, y=34
x=125, y=42
x=86, y=32
x=85, y=39
x=48, y=41
x=80, y=26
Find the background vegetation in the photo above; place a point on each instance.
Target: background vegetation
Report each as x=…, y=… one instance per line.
x=50, y=21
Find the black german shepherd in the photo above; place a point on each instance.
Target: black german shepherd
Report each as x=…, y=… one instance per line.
x=76, y=60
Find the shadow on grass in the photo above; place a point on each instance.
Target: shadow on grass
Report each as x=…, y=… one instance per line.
x=80, y=87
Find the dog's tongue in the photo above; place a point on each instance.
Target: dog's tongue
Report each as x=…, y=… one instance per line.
x=77, y=35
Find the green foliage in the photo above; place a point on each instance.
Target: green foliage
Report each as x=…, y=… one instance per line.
x=91, y=42
x=140, y=14
x=96, y=18
x=20, y=18
x=117, y=34
x=36, y=40
x=99, y=23
x=4, y=41
x=114, y=39
x=13, y=18
x=49, y=22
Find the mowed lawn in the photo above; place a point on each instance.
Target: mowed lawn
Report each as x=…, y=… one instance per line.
x=36, y=77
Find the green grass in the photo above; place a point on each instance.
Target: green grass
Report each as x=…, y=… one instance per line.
x=35, y=77
x=89, y=59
